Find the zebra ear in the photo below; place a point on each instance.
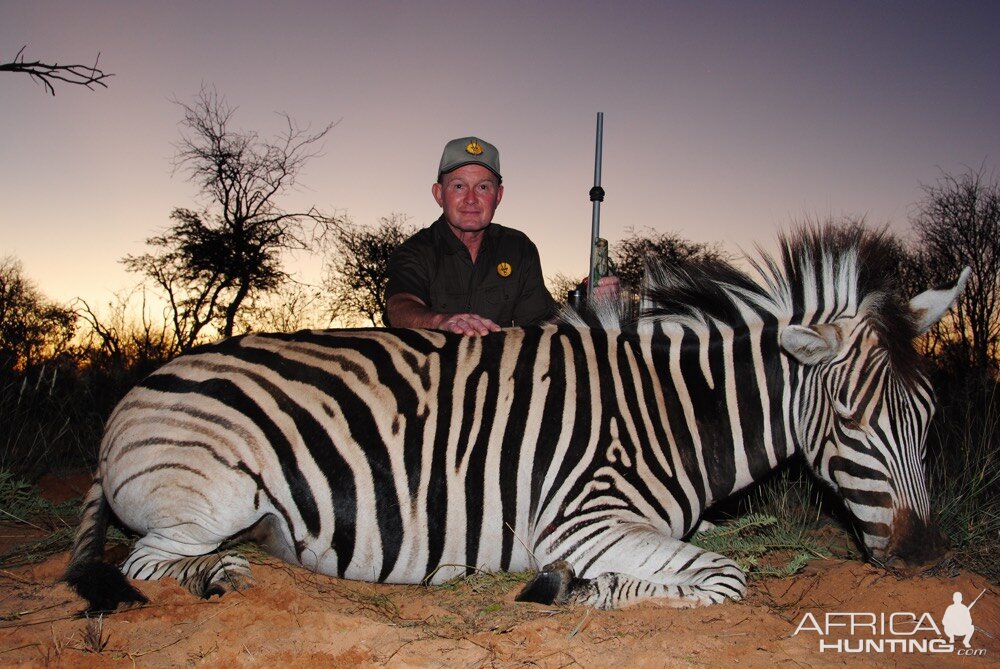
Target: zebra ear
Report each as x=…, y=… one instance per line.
x=929, y=306
x=811, y=345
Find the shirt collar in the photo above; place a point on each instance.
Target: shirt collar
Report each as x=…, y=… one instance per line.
x=449, y=243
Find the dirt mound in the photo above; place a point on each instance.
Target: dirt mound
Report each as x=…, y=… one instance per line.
x=296, y=618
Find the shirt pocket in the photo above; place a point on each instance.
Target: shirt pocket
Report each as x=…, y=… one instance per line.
x=498, y=304
x=444, y=301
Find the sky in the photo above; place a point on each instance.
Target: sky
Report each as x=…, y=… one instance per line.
x=724, y=121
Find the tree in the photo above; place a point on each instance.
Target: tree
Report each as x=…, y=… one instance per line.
x=357, y=263
x=297, y=307
x=47, y=73
x=560, y=284
x=629, y=258
x=119, y=342
x=633, y=254
x=32, y=329
x=209, y=262
x=958, y=225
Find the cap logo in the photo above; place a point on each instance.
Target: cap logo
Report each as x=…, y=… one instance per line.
x=473, y=148
x=504, y=269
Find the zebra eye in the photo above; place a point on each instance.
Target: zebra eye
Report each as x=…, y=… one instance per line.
x=852, y=424
x=847, y=416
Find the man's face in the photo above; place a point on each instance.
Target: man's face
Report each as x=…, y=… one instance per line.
x=469, y=197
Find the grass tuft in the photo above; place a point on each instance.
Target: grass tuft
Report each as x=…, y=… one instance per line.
x=762, y=545
x=21, y=501
x=94, y=638
x=52, y=525
x=487, y=582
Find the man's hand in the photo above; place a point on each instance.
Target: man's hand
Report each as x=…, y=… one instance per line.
x=409, y=311
x=467, y=324
x=608, y=287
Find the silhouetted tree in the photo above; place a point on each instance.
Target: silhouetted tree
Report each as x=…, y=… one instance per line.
x=297, y=307
x=124, y=337
x=357, y=261
x=632, y=255
x=48, y=73
x=209, y=262
x=628, y=259
x=561, y=284
x=958, y=225
x=32, y=329
x=635, y=252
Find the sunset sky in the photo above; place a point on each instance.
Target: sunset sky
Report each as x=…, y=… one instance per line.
x=723, y=121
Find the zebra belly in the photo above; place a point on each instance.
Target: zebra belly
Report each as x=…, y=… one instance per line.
x=325, y=561
x=412, y=560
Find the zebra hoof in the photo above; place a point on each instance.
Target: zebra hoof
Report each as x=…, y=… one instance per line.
x=230, y=584
x=231, y=578
x=551, y=585
x=213, y=590
x=232, y=581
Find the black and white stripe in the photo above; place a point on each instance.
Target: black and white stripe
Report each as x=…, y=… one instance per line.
x=405, y=456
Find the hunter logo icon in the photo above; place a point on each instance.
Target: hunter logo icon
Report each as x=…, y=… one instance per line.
x=957, y=619
x=473, y=148
x=504, y=269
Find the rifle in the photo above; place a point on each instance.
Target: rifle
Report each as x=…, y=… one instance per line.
x=598, y=246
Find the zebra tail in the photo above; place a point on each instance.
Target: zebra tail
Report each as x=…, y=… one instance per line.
x=103, y=585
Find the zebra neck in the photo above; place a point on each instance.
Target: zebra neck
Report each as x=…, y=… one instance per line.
x=725, y=401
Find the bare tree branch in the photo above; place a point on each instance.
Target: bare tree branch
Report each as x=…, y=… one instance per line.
x=124, y=337
x=356, y=267
x=958, y=225
x=211, y=263
x=46, y=73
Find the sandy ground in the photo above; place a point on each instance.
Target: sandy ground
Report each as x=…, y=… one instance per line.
x=294, y=618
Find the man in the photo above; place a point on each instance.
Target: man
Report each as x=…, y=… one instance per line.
x=464, y=273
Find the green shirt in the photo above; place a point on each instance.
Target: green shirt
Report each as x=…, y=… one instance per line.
x=505, y=284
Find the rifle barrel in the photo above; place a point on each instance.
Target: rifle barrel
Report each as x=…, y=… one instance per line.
x=596, y=197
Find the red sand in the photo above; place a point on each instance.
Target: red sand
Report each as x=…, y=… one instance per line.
x=298, y=619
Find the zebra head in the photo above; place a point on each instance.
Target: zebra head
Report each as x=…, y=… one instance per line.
x=862, y=414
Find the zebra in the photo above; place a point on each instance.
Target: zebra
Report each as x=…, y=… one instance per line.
x=591, y=451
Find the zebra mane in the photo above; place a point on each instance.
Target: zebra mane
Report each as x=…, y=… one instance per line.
x=861, y=268
x=822, y=272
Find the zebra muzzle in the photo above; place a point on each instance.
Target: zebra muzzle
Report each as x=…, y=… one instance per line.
x=914, y=542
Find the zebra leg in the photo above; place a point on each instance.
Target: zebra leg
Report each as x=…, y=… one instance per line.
x=632, y=563
x=188, y=528
x=213, y=573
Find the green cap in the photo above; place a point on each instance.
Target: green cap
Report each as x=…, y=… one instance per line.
x=469, y=151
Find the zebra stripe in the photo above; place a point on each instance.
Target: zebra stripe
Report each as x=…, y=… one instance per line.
x=404, y=456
